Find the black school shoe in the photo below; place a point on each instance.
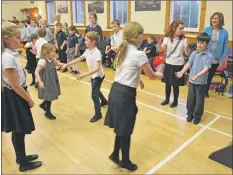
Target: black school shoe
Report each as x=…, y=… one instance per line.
x=96, y=118
x=174, y=104
x=114, y=158
x=165, y=102
x=128, y=165
x=50, y=116
x=33, y=83
x=29, y=158
x=196, y=121
x=190, y=118
x=30, y=166
x=104, y=104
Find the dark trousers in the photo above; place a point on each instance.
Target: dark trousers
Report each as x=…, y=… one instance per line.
x=62, y=56
x=19, y=146
x=122, y=143
x=212, y=71
x=176, y=91
x=33, y=77
x=196, y=100
x=96, y=94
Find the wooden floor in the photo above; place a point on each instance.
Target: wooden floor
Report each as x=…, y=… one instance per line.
x=162, y=143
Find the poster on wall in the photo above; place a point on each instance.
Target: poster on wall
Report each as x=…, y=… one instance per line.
x=96, y=6
x=62, y=6
x=148, y=5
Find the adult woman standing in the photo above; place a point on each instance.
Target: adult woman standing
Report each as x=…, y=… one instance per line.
x=176, y=45
x=218, y=46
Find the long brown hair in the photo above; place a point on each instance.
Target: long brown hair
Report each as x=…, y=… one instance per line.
x=130, y=33
x=172, y=29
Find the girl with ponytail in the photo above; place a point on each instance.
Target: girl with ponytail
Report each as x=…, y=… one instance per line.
x=122, y=109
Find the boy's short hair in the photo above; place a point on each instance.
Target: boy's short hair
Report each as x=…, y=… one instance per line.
x=33, y=36
x=151, y=37
x=41, y=33
x=117, y=22
x=72, y=28
x=204, y=37
x=59, y=24
x=23, y=21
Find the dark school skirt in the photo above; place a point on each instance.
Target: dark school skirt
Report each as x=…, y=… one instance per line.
x=169, y=76
x=122, y=109
x=16, y=113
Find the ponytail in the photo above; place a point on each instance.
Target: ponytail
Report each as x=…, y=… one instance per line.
x=122, y=52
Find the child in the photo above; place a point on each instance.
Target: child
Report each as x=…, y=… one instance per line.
x=116, y=40
x=39, y=43
x=46, y=75
x=175, y=44
x=150, y=50
x=16, y=101
x=200, y=62
x=72, y=48
x=48, y=36
x=23, y=30
x=122, y=109
x=81, y=45
x=31, y=57
x=61, y=43
x=93, y=59
x=33, y=28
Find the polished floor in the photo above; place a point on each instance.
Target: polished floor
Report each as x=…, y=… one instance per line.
x=162, y=143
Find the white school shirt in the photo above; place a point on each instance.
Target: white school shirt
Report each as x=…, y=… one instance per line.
x=38, y=45
x=10, y=59
x=176, y=58
x=129, y=72
x=42, y=62
x=92, y=56
x=117, y=39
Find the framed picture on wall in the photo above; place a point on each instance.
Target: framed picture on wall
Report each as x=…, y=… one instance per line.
x=148, y=5
x=96, y=6
x=62, y=6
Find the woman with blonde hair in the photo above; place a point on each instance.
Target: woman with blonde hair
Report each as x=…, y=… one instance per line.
x=122, y=109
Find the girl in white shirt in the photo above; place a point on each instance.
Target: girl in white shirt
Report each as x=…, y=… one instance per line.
x=93, y=59
x=122, y=109
x=16, y=101
x=176, y=45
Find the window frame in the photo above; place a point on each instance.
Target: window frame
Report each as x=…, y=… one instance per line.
x=202, y=14
x=71, y=14
x=109, y=13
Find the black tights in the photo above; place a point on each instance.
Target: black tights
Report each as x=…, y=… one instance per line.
x=19, y=146
x=122, y=143
x=33, y=77
x=175, y=92
x=47, y=105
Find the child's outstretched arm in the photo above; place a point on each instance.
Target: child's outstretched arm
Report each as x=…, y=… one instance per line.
x=37, y=74
x=185, y=68
x=204, y=71
x=90, y=72
x=75, y=61
x=150, y=73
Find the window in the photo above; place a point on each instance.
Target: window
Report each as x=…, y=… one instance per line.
x=187, y=11
x=120, y=10
x=78, y=12
x=50, y=11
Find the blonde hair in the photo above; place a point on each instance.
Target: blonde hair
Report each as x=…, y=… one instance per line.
x=8, y=29
x=41, y=32
x=46, y=49
x=93, y=36
x=131, y=33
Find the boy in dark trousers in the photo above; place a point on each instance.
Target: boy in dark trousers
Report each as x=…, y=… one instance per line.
x=200, y=62
x=150, y=50
x=61, y=41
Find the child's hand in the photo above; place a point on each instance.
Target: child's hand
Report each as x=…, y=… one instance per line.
x=179, y=74
x=57, y=47
x=159, y=75
x=61, y=47
x=141, y=84
x=194, y=78
x=41, y=85
x=63, y=67
x=31, y=103
x=80, y=76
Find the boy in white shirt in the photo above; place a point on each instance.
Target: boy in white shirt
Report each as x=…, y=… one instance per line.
x=116, y=40
x=93, y=59
x=38, y=45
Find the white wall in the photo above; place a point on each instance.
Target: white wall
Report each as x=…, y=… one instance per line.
x=12, y=8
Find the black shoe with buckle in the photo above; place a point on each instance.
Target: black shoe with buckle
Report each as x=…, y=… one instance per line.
x=96, y=118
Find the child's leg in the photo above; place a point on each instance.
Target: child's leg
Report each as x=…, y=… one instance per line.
x=191, y=101
x=176, y=91
x=168, y=93
x=125, y=148
x=95, y=83
x=33, y=79
x=101, y=96
x=19, y=146
x=200, y=103
x=48, y=113
x=115, y=154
